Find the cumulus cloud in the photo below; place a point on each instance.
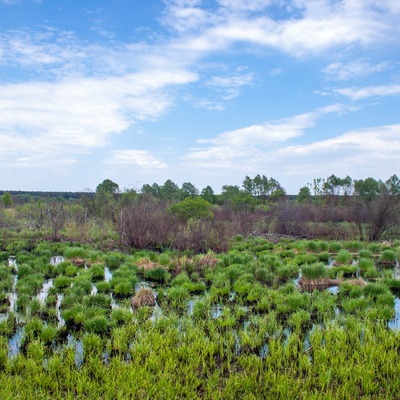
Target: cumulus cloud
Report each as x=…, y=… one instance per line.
x=140, y=158
x=310, y=27
x=75, y=116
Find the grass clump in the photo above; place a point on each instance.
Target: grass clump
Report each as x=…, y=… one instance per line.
x=313, y=271
x=143, y=297
x=387, y=258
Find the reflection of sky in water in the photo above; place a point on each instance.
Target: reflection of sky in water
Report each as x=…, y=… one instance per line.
x=42, y=296
x=395, y=322
x=56, y=260
x=107, y=274
x=14, y=344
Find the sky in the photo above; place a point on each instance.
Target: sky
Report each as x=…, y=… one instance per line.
x=200, y=91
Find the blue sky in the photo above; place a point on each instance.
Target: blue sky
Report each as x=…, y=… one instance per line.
x=201, y=91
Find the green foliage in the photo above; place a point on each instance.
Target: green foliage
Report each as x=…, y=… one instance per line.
x=158, y=274
x=343, y=257
x=192, y=208
x=313, y=271
x=6, y=199
x=107, y=186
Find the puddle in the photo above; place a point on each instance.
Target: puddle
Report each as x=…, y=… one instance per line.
x=55, y=260
x=94, y=290
x=157, y=313
x=333, y=290
x=394, y=324
x=14, y=344
x=216, y=311
x=297, y=280
x=264, y=350
x=107, y=274
x=61, y=321
x=77, y=345
x=396, y=272
x=42, y=296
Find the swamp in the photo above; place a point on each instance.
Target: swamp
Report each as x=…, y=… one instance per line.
x=304, y=319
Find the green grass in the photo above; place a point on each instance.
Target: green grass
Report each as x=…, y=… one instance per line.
x=248, y=331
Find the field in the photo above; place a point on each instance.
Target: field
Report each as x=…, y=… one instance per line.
x=291, y=319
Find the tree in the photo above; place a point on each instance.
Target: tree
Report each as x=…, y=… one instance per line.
x=6, y=199
x=189, y=190
x=153, y=190
x=170, y=191
x=107, y=186
x=260, y=187
x=393, y=185
x=208, y=194
x=368, y=189
x=304, y=195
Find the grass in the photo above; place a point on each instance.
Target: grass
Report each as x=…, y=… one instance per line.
x=248, y=331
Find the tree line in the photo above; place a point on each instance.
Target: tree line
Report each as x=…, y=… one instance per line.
x=168, y=216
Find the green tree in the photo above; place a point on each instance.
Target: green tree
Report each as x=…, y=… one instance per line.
x=189, y=190
x=393, y=185
x=368, y=189
x=304, y=195
x=6, y=199
x=170, y=191
x=153, y=190
x=192, y=208
x=107, y=186
x=208, y=194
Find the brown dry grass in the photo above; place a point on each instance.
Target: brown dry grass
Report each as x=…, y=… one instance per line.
x=324, y=283
x=146, y=264
x=144, y=297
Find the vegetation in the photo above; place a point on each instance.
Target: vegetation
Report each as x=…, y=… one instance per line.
x=134, y=295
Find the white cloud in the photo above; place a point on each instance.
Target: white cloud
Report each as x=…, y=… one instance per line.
x=9, y=2
x=355, y=93
x=343, y=71
x=313, y=26
x=48, y=120
x=230, y=85
x=362, y=153
x=228, y=149
x=140, y=158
